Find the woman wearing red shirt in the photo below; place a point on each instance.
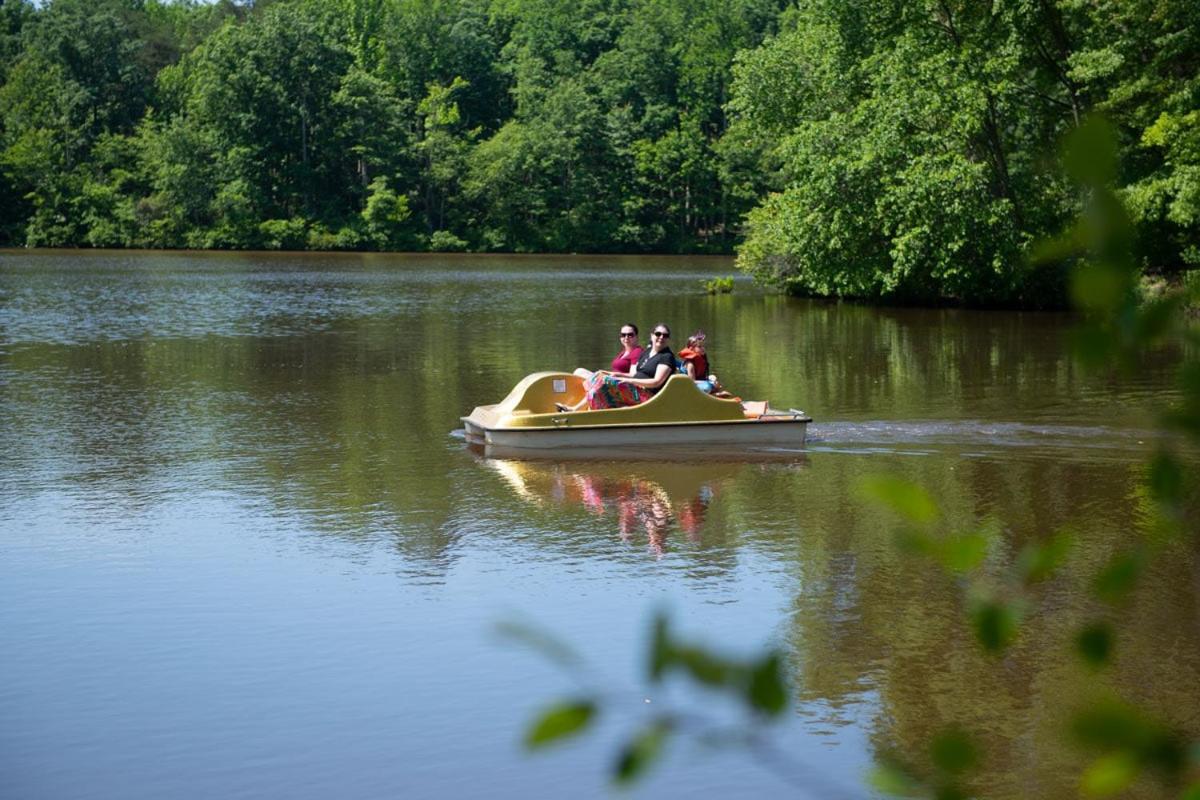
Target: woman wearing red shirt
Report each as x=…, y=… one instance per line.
x=625, y=360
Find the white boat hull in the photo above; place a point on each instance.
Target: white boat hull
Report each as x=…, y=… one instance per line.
x=778, y=433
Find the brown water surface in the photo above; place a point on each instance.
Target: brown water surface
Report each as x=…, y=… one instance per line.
x=243, y=551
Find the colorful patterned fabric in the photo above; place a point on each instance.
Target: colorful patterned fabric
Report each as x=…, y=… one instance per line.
x=606, y=391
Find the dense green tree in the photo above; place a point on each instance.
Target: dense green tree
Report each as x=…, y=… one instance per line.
x=641, y=86
x=435, y=41
x=180, y=161
x=14, y=15
x=365, y=21
x=384, y=215
x=269, y=107
x=522, y=125
x=371, y=126
x=443, y=146
x=1142, y=67
x=913, y=142
x=82, y=74
x=895, y=140
x=537, y=179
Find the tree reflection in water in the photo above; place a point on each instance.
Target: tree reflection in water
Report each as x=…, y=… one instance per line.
x=649, y=498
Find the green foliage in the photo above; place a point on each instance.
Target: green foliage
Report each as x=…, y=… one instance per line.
x=1119, y=576
x=1095, y=643
x=1109, y=775
x=996, y=623
x=531, y=125
x=718, y=285
x=896, y=780
x=443, y=145
x=1039, y=560
x=559, y=722
x=909, y=143
x=953, y=752
x=80, y=76
x=640, y=753
x=1131, y=743
x=549, y=647
x=907, y=499
x=446, y=242
x=365, y=21
x=385, y=214
x=758, y=683
x=283, y=234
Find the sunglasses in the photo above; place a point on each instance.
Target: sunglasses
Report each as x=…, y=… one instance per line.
x=664, y=334
x=627, y=333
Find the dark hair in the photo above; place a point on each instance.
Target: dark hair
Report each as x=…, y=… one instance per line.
x=631, y=325
x=664, y=326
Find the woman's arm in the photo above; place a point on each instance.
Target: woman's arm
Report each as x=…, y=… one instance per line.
x=661, y=374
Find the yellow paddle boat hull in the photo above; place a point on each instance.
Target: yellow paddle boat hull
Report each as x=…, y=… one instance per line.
x=680, y=414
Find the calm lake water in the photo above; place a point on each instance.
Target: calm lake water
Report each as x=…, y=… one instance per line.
x=244, y=553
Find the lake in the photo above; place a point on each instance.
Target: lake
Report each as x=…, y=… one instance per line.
x=245, y=552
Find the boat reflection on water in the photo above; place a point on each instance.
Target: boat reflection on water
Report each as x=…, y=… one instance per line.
x=643, y=493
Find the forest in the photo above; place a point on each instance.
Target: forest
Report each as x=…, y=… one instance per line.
x=898, y=150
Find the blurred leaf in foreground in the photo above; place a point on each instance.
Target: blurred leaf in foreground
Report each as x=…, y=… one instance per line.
x=549, y=646
x=1039, y=560
x=660, y=646
x=1118, y=577
x=759, y=683
x=1100, y=287
x=1110, y=725
x=966, y=552
x=953, y=752
x=894, y=779
x=1090, y=152
x=640, y=753
x=1109, y=775
x=766, y=690
x=996, y=623
x=1166, y=479
x=1095, y=643
x=704, y=666
x=1130, y=741
x=908, y=499
x=559, y=722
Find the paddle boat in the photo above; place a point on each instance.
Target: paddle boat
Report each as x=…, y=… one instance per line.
x=679, y=414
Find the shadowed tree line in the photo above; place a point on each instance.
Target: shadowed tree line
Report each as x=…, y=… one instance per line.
x=538, y=125
x=892, y=150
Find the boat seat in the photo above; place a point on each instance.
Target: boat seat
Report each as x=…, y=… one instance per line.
x=754, y=409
